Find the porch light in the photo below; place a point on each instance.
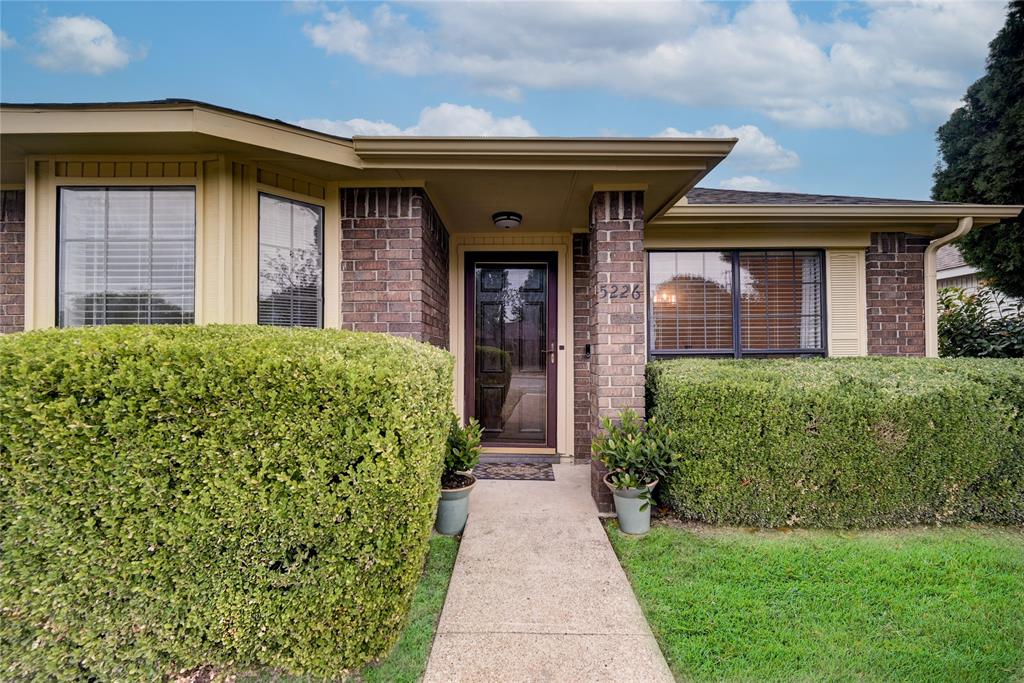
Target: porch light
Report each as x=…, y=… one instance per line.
x=507, y=219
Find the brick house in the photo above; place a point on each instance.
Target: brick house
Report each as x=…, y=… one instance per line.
x=553, y=269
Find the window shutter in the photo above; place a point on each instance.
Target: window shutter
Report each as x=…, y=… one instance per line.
x=847, y=303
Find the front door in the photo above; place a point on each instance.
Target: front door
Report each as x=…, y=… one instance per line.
x=511, y=347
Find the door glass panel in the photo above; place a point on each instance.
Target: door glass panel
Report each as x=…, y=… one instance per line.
x=511, y=344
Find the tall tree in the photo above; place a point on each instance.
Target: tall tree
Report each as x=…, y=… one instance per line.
x=982, y=148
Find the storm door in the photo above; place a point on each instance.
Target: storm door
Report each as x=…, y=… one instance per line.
x=511, y=347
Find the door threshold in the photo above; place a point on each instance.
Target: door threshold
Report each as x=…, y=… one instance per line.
x=496, y=457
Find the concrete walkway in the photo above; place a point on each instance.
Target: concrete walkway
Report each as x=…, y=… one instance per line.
x=538, y=594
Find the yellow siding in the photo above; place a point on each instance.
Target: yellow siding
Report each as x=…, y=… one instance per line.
x=124, y=168
x=753, y=237
x=846, y=302
x=289, y=182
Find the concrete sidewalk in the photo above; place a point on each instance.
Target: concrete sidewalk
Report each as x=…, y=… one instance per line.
x=538, y=594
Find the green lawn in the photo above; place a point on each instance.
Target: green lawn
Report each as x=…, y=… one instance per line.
x=408, y=660
x=914, y=605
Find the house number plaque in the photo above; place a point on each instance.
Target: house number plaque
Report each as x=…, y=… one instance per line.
x=634, y=292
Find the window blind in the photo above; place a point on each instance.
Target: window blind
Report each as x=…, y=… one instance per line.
x=738, y=303
x=126, y=255
x=291, y=263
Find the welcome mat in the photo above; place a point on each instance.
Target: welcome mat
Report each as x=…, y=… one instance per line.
x=516, y=471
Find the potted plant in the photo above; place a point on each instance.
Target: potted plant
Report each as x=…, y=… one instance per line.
x=636, y=455
x=457, y=480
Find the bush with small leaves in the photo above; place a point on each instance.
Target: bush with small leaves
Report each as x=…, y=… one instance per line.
x=853, y=442
x=241, y=497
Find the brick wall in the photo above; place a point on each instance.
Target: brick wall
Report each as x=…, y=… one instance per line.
x=617, y=334
x=895, y=294
x=12, y=261
x=581, y=303
x=394, y=264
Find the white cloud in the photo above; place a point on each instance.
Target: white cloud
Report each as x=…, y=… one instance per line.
x=444, y=119
x=304, y=7
x=749, y=183
x=81, y=44
x=881, y=74
x=6, y=41
x=350, y=127
x=755, y=151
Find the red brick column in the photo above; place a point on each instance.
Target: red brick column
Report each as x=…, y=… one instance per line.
x=895, y=294
x=12, y=261
x=618, y=334
x=394, y=264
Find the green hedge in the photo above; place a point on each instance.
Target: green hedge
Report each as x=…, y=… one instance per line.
x=235, y=496
x=843, y=442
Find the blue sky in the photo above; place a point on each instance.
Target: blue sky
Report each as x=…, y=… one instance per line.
x=825, y=97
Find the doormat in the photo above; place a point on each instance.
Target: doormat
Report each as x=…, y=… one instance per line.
x=516, y=471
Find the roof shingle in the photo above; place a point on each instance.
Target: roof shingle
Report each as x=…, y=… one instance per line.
x=707, y=195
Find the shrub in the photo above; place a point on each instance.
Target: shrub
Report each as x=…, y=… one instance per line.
x=843, y=442
x=463, y=452
x=979, y=325
x=235, y=496
x=634, y=452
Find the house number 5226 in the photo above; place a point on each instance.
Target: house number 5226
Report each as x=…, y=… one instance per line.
x=619, y=292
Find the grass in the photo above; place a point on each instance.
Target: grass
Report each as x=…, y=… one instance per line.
x=407, y=662
x=913, y=605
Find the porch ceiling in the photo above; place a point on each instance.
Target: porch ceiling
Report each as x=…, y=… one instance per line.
x=548, y=180
x=548, y=200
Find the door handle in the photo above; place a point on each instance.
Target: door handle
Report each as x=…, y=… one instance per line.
x=551, y=353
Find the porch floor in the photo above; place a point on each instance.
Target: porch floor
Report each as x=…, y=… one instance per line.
x=537, y=593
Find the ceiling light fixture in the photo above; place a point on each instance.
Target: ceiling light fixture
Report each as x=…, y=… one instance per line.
x=507, y=219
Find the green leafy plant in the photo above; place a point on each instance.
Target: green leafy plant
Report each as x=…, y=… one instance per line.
x=463, y=451
x=635, y=453
x=843, y=442
x=983, y=324
x=240, y=497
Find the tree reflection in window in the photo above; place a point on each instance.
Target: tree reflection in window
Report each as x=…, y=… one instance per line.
x=291, y=263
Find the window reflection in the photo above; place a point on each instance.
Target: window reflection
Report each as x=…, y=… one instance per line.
x=778, y=307
x=691, y=301
x=291, y=263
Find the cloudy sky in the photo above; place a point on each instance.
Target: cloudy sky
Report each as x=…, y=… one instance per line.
x=825, y=97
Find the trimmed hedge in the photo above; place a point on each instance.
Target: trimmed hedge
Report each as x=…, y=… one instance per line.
x=235, y=496
x=867, y=442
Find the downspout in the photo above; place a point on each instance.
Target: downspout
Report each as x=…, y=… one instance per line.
x=931, y=293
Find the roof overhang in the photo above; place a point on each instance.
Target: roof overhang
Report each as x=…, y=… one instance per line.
x=161, y=129
x=548, y=180
x=932, y=219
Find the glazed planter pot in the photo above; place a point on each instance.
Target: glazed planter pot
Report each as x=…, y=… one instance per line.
x=632, y=520
x=453, y=509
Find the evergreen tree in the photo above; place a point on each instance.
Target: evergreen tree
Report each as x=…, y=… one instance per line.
x=982, y=148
